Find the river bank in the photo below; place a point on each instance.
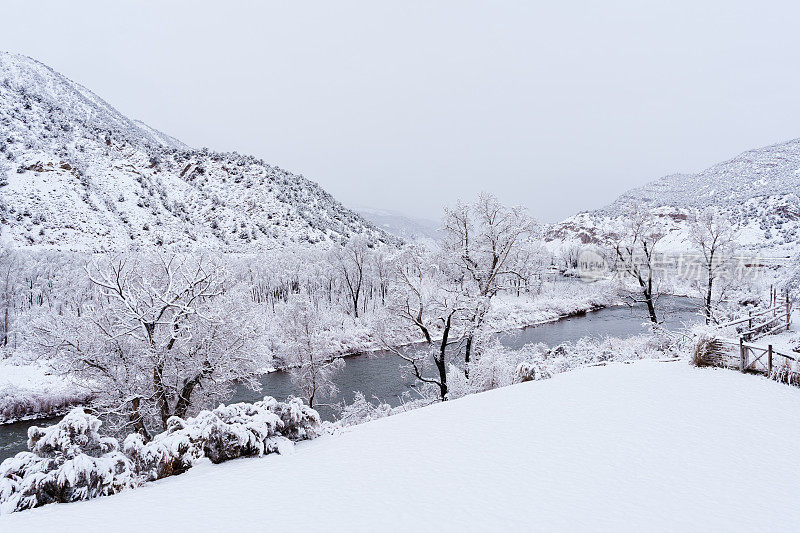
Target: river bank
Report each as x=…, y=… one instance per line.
x=379, y=376
x=31, y=390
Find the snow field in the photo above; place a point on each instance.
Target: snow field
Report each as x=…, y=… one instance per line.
x=625, y=447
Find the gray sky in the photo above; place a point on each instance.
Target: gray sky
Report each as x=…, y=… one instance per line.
x=558, y=106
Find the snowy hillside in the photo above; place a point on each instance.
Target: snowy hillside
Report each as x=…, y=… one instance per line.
x=649, y=446
x=75, y=174
x=759, y=192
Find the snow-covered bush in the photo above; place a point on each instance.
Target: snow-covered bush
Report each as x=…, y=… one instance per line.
x=224, y=433
x=362, y=410
x=794, y=342
x=530, y=371
x=237, y=430
x=68, y=462
x=300, y=422
x=707, y=350
x=169, y=453
x=788, y=372
x=497, y=366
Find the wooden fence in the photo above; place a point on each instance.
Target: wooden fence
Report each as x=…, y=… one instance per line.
x=767, y=321
x=758, y=358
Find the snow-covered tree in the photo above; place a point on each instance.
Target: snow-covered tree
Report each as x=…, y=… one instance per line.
x=569, y=255
x=352, y=261
x=423, y=296
x=636, y=256
x=486, y=240
x=9, y=265
x=165, y=337
x=715, y=238
x=311, y=372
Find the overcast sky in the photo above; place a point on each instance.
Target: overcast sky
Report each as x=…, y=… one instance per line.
x=558, y=106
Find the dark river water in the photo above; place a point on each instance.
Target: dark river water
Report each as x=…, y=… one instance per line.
x=379, y=374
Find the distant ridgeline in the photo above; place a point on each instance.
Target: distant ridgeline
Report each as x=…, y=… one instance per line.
x=76, y=174
x=758, y=191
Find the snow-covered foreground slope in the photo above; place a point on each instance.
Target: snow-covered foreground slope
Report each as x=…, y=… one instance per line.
x=649, y=446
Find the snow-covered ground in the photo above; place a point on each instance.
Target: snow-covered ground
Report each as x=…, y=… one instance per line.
x=647, y=446
x=784, y=341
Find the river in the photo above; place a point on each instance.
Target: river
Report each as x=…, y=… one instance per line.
x=378, y=374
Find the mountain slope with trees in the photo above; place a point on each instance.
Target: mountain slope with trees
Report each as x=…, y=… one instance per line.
x=76, y=174
x=758, y=192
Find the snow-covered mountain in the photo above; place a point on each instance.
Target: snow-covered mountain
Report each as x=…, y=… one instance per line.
x=759, y=192
x=76, y=174
x=419, y=230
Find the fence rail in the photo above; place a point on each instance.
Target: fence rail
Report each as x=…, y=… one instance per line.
x=750, y=357
x=754, y=357
x=781, y=310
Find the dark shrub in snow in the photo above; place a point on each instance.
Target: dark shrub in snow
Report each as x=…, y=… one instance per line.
x=530, y=371
x=168, y=454
x=225, y=433
x=68, y=462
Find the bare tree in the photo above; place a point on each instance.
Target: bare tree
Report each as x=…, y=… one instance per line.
x=569, y=256
x=421, y=296
x=715, y=238
x=311, y=372
x=8, y=276
x=636, y=254
x=352, y=261
x=486, y=239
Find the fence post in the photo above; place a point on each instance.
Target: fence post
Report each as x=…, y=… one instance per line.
x=788, y=310
x=749, y=320
x=741, y=354
x=769, y=360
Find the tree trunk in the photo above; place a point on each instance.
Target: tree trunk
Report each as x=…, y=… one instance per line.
x=468, y=354
x=708, y=295
x=185, y=397
x=651, y=308
x=478, y=321
x=161, y=393
x=5, y=328
x=440, y=360
x=136, y=419
x=647, y=292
